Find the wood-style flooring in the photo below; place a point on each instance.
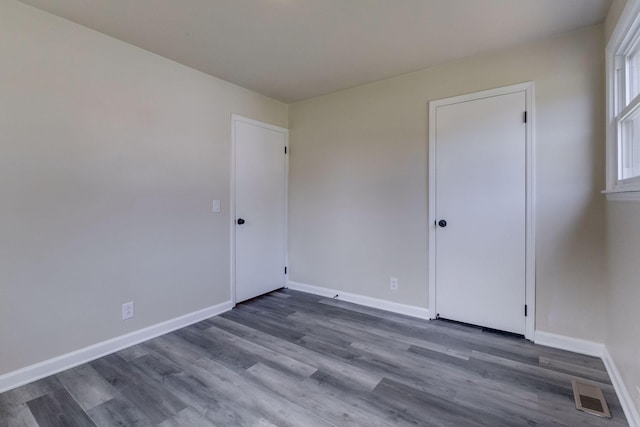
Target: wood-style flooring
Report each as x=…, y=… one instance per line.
x=296, y=359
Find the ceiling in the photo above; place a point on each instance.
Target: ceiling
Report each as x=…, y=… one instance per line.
x=292, y=50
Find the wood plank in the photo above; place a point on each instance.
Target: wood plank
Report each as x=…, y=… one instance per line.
x=86, y=386
x=58, y=409
x=265, y=355
x=247, y=402
x=15, y=414
x=337, y=409
x=360, y=376
x=142, y=390
x=118, y=412
x=187, y=417
x=32, y=390
x=133, y=352
x=442, y=411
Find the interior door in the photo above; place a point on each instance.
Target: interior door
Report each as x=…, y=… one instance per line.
x=260, y=208
x=481, y=212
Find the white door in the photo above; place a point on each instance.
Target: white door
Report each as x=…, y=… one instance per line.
x=260, y=207
x=480, y=211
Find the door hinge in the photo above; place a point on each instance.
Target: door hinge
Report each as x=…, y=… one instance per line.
x=525, y=117
x=525, y=310
x=285, y=150
x=285, y=270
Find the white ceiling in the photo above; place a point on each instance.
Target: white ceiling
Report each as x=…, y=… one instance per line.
x=297, y=49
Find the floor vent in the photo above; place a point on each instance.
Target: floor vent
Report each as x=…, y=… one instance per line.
x=590, y=399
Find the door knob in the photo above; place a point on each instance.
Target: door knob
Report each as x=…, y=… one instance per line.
x=240, y=221
x=442, y=223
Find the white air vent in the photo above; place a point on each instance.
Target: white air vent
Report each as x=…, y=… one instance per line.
x=590, y=399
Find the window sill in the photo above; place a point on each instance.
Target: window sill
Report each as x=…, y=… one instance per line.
x=622, y=196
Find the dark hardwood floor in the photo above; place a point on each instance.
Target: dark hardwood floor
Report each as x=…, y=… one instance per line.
x=295, y=359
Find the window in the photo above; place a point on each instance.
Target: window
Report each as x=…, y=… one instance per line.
x=628, y=145
x=623, y=107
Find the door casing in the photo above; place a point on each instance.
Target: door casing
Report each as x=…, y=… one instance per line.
x=232, y=199
x=530, y=249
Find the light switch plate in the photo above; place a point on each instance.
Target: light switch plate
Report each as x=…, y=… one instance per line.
x=128, y=310
x=216, y=206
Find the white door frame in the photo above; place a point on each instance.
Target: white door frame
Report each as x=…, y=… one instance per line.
x=530, y=233
x=235, y=118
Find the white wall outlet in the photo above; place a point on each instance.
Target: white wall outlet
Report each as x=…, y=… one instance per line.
x=393, y=283
x=215, y=207
x=638, y=395
x=128, y=310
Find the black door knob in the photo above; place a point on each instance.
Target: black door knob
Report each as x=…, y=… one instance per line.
x=442, y=223
x=240, y=221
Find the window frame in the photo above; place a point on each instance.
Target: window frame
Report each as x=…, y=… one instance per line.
x=624, y=40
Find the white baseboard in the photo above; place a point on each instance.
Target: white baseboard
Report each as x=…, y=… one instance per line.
x=57, y=364
x=563, y=342
x=395, y=307
x=629, y=408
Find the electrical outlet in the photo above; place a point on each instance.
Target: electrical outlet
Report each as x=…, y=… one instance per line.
x=638, y=395
x=393, y=283
x=128, y=310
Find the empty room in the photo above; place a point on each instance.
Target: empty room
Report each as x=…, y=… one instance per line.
x=251, y=213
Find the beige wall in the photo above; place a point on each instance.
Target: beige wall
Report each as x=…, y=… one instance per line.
x=623, y=250
x=358, y=191
x=617, y=6
x=623, y=327
x=109, y=159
